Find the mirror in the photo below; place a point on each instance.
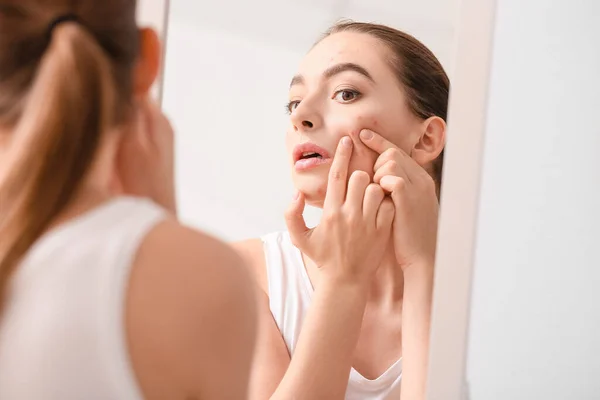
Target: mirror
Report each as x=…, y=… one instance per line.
x=228, y=69
x=227, y=78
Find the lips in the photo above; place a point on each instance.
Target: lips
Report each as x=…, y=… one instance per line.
x=309, y=155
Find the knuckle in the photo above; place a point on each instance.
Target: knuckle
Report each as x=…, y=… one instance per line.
x=353, y=220
x=392, y=165
x=335, y=175
x=399, y=184
x=395, y=153
x=331, y=216
x=391, y=154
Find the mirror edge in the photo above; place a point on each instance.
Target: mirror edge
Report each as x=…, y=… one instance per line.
x=460, y=201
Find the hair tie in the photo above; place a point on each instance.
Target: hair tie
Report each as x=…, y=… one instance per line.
x=60, y=20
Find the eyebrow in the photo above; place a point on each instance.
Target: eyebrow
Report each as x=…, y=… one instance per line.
x=335, y=70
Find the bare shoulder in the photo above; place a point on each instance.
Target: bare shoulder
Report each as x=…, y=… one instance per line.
x=187, y=290
x=252, y=252
x=187, y=256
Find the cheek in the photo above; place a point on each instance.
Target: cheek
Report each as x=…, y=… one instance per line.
x=396, y=130
x=363, y=158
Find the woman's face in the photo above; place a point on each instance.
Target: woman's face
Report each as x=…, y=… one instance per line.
x=344, y=85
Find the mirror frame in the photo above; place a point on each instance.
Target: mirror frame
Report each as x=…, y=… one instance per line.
x=459, y=207
x=155, y=14
x=460, y=188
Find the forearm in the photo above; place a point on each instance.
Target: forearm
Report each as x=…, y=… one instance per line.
x=320, y=366
x=416, y=315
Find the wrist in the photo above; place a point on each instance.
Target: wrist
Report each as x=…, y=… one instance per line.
x=345, y=286
x=422, y=271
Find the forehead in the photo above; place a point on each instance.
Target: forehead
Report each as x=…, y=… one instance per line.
x=347, y=47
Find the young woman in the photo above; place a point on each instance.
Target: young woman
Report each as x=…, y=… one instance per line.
x=103, y=295
x=346, y=306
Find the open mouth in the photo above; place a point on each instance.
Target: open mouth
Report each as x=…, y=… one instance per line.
x=309, y=155
x=307, y=151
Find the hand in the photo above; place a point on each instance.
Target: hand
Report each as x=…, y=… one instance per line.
x=355, y=229
x=146, y=157
x=416, y=205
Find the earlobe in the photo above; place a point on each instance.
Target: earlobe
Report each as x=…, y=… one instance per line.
x=431, y=142
x=148, y=63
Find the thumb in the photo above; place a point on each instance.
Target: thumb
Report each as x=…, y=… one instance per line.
x=295, y=221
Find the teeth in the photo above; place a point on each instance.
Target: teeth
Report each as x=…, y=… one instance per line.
x=310, y=153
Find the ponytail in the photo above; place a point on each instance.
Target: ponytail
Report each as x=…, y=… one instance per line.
x=68, y=107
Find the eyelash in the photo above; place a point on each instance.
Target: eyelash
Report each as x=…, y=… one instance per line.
x=355, y=93
x=288, y=106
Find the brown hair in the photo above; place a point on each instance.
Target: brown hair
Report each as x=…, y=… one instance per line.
x=418, y=70
x=60, y=90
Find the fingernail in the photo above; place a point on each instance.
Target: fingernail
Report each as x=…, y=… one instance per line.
x=366, y=134
x=296, y=195
x=346, y=141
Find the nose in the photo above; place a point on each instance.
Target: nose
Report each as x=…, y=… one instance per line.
x=306, y=118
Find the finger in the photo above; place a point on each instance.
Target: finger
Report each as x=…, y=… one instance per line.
x=388, y=155
x=394, y=185
x=375, y=141
x=389, y=151
x=385, y=215
x=374, y=195
x=338, y=175
x=294, y=220
x=359, y=180
x=390, y=168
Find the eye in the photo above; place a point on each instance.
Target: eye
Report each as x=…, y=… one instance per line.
x=291, y=106
x=346, y=95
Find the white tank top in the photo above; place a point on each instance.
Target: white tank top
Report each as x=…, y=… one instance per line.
x=62, y=334
x=290, y=293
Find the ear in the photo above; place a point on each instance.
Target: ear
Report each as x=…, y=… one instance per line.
x=431, y=143
x=148, y=64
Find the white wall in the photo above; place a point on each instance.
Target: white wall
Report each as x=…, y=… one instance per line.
x=535, y=327
x=228, y=67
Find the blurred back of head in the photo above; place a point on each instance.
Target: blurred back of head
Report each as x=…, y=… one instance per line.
x=66, y=78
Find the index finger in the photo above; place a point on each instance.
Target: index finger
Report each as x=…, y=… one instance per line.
x=338, y=174
x=380, y=145
x=376, y=142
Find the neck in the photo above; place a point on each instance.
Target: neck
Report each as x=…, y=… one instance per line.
x=83, y=201
x=387, y=287
x=90, y=194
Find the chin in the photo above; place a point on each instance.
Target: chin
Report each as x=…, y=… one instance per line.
x=314, y=188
